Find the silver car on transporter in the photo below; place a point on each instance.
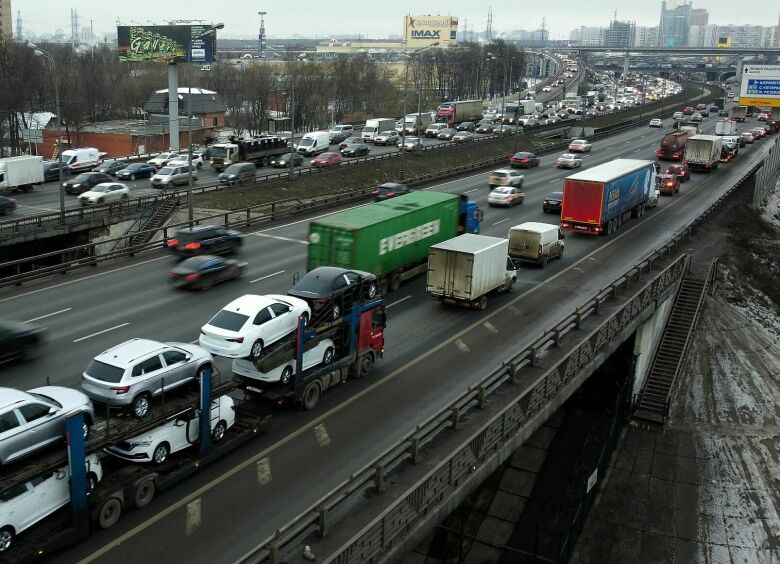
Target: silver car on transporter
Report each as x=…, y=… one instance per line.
x=132, y=373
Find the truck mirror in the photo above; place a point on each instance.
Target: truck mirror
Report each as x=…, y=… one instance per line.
x=380, y=318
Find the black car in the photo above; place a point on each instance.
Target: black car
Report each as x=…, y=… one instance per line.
x=485, y=128
x=355, y=150
x=337, y=136
x=552, y=202
x=335, y=289
x=723, y=113
x=447, y=134
x=466, y=126
x=237, y=173
x=19, y=341
x=203, y=272
x=389, y=190
x=136, y=170
x=349, y=141
x=284, y=160
x=85, y=181
x=110, y=167
x=7, y=205
x=680, y=171
x=204, y=240
x=524, y=159
x=51, y=171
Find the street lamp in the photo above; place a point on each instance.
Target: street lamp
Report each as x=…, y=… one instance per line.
x=211, y=31
x=409, y=56
x=58, y=143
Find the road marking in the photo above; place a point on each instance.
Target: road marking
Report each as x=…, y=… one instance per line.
x=280, y=238
x=321, y=434
x=193, y=517
x=502, y=221
x=263, y=471
x=554, y=181
x=637, y=150
x=398, y=301
x=490, y=327
x=464, y=348
x=266, y=276
x=39, y=208
x=515, y=310
x=101, y=332
x=47, y=315
x=470, y=191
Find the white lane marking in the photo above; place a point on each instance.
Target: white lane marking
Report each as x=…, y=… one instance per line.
x=47, y=315
x=193, y=517
x=321, y=434
x=263, y=471
x=637, y=150
x=100, y=332
x=554, y=181
x=280, y=238
x=470, y=191
x=464, y=348
x=502, y=221
x=515, y=310
x=266, y=276
x=395, y=303
x=69, y=282
x=490, y=327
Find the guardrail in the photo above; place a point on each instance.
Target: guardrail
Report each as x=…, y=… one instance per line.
x=373, y=476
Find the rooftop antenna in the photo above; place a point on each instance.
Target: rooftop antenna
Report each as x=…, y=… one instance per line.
x=489, y=26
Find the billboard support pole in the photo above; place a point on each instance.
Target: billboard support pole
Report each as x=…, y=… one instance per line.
x=173, y=105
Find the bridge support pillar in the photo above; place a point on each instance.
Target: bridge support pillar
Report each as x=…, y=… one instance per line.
x=625, y=66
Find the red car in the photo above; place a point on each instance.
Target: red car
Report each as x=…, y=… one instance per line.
x=680, y=171
x=688, y=111
x=667, y=184
x=327, y=159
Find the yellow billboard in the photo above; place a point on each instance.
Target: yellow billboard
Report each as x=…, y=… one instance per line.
x=724, y=42
x=768, y=102
x=420, y=31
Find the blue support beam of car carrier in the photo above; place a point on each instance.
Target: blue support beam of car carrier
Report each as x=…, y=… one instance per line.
x=205, y=411
x=74, y=434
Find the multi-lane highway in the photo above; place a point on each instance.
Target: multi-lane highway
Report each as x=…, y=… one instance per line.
x=432, y=354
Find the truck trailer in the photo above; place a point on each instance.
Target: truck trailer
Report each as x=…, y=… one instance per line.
x=453, y=113
x=738, y=113
x=258, y=150
x=464, y=270
x=673, y=145
x=375, y=127
x=20, y=173
x=390, y=239
x=725, y=127
x=596, y=201
x=416, y=124
x=702, y=152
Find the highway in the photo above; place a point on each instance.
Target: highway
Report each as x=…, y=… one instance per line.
x=433, y=353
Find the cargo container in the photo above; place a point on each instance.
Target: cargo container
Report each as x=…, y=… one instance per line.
x=464, y=270
x=20, y=173
x=257, y=150
x=375, y=127
x=702, y=152
x=453, y=113
x=725, y=127
x=738, y=113
x=391, y=239
x=535, y=242
x=597, y=200
x=673, y=145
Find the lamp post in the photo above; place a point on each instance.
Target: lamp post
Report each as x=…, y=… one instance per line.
x=211, y=31
x=409, y=56
x=47, y=56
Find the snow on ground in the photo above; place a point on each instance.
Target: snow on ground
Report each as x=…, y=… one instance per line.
x=770, y=212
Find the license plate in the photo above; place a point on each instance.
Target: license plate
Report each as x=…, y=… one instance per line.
x=581, y=227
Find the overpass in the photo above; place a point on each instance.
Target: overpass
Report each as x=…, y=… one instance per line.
x=769, y=52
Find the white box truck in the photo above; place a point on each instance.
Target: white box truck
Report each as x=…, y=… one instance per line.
x=20, y=173
x=725, y=127
x=536, y=242
x=314, y=143
x=374, y=127
x=464, y=270
x=416, y=124
x=702, y=152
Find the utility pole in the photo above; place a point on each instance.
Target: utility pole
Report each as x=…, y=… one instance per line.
x=409, y=56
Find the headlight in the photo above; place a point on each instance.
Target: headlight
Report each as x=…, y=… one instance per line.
x=231, y=175
x=75, y=185
x=139, y=444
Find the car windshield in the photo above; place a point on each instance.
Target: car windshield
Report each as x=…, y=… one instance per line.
x=556, y=196
x=82, y=177
x=567, y=156
x=218, y=152
x=165, y=170
x=134, y=167
x=306, y=142
x=500, y=174
x=229, y=320
x=328, y=155
x=233, y=169
x=105, y=372
x=100, y=189
x=313, y=285
x=502, y=190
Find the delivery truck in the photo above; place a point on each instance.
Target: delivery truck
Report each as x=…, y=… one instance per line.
x=453, y=113
x=416, y=124
x=738, y=113
x=673, y=145
x=464, y=270
x=258, y=150
x=376, y=126
x=20, y=174
x=725, y=127
x=390, y=239
x=596, y=201
x=535, y=242
x=702, y=152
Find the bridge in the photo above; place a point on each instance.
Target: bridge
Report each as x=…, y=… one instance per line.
x=768, y=52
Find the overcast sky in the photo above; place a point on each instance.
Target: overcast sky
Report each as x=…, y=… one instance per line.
x=371, y=18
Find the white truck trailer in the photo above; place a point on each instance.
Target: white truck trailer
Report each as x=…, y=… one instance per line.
x=20, y=174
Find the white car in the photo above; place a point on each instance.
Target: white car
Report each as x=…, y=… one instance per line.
x=568, y=160
x=25, y=504
x=176, y=434
x=656, y=122
x=181, y=160
x=580, y=146
x=162, y=159
x=322, y=353
x=249, y=324
x=505, y=196
x=387, y=138
x=409, y=143
x=505, y=177
x=678, y=116
x=546, y=89
x=104, y=193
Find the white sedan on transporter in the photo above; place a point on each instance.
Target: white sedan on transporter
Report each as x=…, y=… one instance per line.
x=249, y=324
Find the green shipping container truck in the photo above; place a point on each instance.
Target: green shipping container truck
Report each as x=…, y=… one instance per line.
x=391, y=239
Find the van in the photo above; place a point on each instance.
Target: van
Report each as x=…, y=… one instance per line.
x=81, y=160
x=536, y=242
x=314, y=143
x=237, y=173
x=172, y=175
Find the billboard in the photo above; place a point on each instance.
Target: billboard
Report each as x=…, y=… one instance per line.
x=166, y=43
x=760, y=86
x=420, y=31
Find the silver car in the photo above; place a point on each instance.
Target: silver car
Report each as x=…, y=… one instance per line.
x=35, y=419
x=131, y=373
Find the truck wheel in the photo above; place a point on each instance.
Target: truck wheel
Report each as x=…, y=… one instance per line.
x=480, y=303
x=27, y=189
x=366, y=365
x=395, y=281
x=109, y=513
x=311, y=395
x=144, y=493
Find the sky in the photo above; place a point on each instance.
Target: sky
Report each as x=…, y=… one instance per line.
x=370, y=18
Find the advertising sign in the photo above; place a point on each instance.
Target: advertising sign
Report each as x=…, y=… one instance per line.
x=420, y=31
x=760, y=86
x=166, y=43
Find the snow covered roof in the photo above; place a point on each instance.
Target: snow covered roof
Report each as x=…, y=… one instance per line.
x=186, y=89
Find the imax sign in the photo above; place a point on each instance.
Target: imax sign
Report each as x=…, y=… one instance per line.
x=426, y=34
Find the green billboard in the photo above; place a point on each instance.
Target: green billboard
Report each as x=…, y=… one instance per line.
x=166, y=43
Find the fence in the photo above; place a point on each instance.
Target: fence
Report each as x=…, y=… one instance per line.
x=767, y=176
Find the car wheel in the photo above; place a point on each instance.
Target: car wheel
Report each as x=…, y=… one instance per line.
x=286, y=374
x=372, y=289
x=219, y=431
x=327, y=358
x=257, y=349
x=311, y=395
x=141, y=405
x=395, y=282
x=161, y=453
x=85, y=426
x=6, y=539
x=336, y=311
x=132, y=177
x=92, y=482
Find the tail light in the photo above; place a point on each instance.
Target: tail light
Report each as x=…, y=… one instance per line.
x=192, y=246
x=191, y=277
x=374, y=192
x=523, y=160
x=235, y=340
x=390, y=194
x=173, y=242
x=120, y=389
x=670, y=183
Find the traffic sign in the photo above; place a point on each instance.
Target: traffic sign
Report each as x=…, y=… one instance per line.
x=760, y=86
